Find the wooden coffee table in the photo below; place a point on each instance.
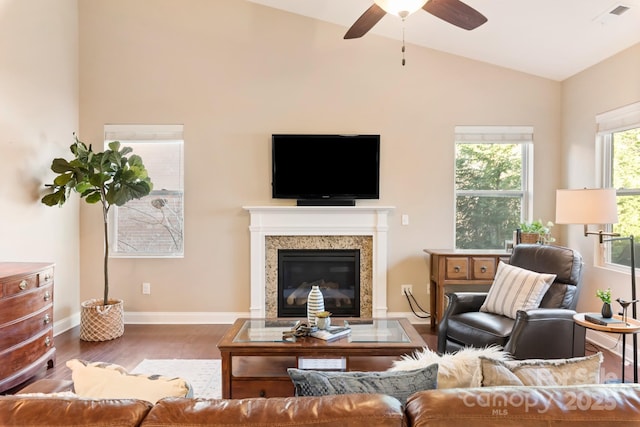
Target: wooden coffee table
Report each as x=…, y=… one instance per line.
x=255, y=358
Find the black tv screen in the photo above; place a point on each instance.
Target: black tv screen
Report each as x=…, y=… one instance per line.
x=325, y=167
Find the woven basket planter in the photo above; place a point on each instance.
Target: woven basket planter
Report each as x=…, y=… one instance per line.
x=529, y=237
x=100, y=322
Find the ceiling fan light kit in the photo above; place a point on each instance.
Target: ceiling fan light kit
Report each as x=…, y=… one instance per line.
x=454, y=12
x=401, y=8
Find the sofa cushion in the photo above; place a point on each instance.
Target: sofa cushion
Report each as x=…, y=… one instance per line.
x=587, y=405
x=399, y=384
x=54, y=411
x=108, y=381
x=514, y=289
x=533, y=372
x=355, y=410
x=454, y=369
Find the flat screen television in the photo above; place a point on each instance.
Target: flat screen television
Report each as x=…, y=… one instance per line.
x=325, y=169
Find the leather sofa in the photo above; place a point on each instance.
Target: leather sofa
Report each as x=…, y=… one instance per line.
x=594, y=405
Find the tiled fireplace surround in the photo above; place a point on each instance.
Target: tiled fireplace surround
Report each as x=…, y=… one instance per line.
x=319, y=227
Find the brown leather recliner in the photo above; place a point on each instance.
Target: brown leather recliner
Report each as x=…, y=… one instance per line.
x=547, y=332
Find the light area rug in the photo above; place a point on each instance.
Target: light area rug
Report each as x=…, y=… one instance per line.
x=204, y=375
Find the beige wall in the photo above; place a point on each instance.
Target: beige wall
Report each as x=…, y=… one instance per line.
x=609, y=85
x=38, y=115
x=234, y=73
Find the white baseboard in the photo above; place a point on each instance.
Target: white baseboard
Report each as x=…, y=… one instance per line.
x=177, y=318
x=63, y=325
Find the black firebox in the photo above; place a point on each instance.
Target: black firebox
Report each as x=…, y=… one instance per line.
x=335, y=271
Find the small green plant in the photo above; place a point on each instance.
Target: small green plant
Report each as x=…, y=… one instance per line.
x=323, y=314
x=605, y=296
x=537, y=227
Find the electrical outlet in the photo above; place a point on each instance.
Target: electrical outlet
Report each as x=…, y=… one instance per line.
x=408, y=289
x=146, y=288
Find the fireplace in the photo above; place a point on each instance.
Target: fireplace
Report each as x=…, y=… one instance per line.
x=319, y=227
x=335, y=271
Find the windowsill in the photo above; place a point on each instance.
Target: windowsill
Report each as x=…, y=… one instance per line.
x=615, y=268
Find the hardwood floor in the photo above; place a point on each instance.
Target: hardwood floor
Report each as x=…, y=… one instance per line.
x=192, y=342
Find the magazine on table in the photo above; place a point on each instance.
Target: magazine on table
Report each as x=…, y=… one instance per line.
x=332, y=333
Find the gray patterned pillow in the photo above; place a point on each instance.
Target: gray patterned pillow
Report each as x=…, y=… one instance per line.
x=400, y=384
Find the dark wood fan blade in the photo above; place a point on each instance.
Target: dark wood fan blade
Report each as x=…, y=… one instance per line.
x=456, y=13
x=366, y=22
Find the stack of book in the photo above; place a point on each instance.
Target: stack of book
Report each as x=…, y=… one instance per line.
x=332, y=333
x=604, y=321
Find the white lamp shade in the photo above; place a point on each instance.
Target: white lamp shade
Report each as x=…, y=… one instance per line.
x=401, y=8
x=586, y=206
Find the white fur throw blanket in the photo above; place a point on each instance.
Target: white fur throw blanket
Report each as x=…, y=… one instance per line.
x=454, y=369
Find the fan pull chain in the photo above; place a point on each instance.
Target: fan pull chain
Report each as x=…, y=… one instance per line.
x=403, y=49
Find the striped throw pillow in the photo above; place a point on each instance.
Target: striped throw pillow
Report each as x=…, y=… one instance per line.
x=514, y=289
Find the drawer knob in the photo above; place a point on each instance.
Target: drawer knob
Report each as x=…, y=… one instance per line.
x=47, y=296
x=47, y=342
x=483, y=269
x=47, y=319
x=456, y=269
x=23, y=285
x=263, y=393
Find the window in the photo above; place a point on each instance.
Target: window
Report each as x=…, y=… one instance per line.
x=619, y=140
x=154, y=225
x=491, y=184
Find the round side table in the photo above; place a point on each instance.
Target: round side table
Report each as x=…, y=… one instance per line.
x=631, y=326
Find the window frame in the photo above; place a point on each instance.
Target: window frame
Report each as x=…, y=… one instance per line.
x=618, y=120
x=132, y=135
x=522, y=135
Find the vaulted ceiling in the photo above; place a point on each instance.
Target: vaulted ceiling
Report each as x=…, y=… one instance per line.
x=554, y=39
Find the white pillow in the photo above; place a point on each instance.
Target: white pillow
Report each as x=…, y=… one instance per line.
x=538, y=372
x=514, y=289
x=98, y=380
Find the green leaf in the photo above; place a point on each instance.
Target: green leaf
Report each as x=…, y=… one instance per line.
x=55, y=198
x=83, y=187
x=93, y=198
x=125, y=151
x=114, y=145
x=62, y=180
x=60, y=166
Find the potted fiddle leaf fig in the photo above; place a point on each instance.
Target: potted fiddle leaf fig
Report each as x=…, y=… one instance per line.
x=109, y=178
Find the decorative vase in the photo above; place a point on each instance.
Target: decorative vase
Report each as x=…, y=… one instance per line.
x=606, y=311
x=315, y=303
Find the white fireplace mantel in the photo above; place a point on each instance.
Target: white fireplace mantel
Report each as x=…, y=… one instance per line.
x=318, y=221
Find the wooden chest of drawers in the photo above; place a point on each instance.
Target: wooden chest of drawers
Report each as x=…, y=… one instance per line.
x=26, y=321
x=458, y=267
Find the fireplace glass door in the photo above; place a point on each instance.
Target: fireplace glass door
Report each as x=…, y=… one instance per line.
x=335, y=271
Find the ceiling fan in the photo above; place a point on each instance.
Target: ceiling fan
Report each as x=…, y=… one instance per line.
x=452, y=11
